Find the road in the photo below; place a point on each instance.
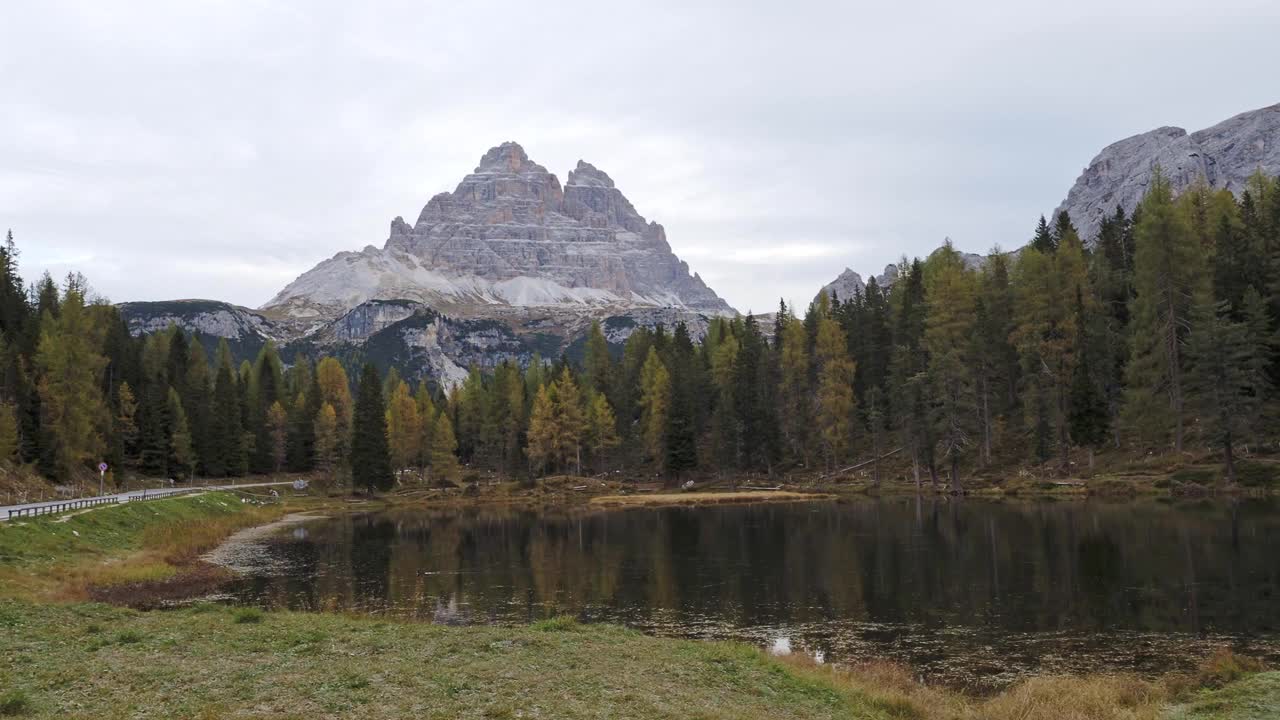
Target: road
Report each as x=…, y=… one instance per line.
x=137, y=494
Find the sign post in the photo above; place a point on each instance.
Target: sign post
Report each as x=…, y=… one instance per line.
x=102, y=477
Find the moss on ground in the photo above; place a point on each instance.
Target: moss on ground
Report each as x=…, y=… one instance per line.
x=1256, y=697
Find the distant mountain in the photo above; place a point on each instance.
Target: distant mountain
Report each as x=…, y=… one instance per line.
x=507, y=265
x=1224, y=155
x=510, y=237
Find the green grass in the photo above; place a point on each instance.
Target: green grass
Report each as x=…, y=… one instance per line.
x=206, y=662
x=105, y=532
x=1256, y=697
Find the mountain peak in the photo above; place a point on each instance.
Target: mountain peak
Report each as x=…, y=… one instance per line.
x=510, y=237
x=586, y=174
x=508, y=157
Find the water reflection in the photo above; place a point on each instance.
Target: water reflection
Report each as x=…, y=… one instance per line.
x=968, y=592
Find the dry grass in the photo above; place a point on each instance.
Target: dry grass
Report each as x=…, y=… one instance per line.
x=1109, y=697
x=707, y=498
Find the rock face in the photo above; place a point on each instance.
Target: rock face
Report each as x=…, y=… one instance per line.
x=1224, y=156
x=509, y=236
x=843, y=287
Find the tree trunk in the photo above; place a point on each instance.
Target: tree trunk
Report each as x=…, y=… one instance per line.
x=955, y=475
x=1228, y=456
x=933, y=475
x=915, y=469
x=986, y=425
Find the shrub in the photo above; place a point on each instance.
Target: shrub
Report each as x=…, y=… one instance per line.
x=1224, y=666
x=1195, y=476
x=247, y=616
x=563, y=623
x=1257, y=474
x=14, y=702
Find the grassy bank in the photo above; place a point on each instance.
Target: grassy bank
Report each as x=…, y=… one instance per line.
x=64, y=556
x=89, y=660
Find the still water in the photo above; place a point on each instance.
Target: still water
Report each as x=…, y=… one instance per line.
x=969, y=593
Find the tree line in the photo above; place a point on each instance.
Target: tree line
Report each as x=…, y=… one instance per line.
x=1157, y=335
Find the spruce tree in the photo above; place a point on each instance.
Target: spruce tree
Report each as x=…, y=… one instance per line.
x=1169, y=270
x=834, y=403
x=69, y=366
x=370, y=456
x=1227, y=381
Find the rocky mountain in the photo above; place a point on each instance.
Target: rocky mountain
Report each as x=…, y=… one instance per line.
x=509, y=237
x=506, y=266
x=1224, y=156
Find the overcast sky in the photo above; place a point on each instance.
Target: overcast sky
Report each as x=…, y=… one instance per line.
x=219, y=149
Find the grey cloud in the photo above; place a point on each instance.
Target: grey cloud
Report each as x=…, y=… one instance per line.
x=220, y=149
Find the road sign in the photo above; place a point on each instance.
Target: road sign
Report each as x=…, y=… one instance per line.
x=102, y=467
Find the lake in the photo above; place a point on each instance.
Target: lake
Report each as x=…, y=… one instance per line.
x=969, y=593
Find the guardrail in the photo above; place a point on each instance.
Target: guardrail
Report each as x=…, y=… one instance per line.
x=63, y=506
x=162, y=494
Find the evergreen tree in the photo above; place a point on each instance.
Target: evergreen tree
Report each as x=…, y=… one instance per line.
x=543, y=432
x=370, y=456
x=226, y=449
x=444, y=447
x=834, y=404
x=602, y=429
x=655, y=401
x=570, y=422
x=1043, y=241
x=949, y=326
x=69, y=367
x=598, y=366
x=1169, y=271
x=1227, y=381
x=404, y=428
x=182, y=456
x=794, y=393
x=277, y=424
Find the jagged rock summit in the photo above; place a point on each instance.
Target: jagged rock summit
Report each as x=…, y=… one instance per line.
x=509, y=236
x=1224, y=155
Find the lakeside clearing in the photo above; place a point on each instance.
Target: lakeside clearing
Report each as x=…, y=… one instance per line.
x=79, y=659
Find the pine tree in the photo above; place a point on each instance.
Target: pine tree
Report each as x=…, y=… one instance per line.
x=655, y=401
x=834, y=403
x=69, y=368
x=277, y=425
x=182, y=457
x=335, y=389
x=1043, y=241
x=1169, y=271
x=404, y=428
x=598, y=365
x=226, y=448
x=444, y=448
x=326, y=439
x=570, y=423
x=543, y=439
x=370, y=456
x=795, y=397
x=602, y=429
x=8, y=432
x=126, y=426
x=1227, y=381
x=949, y=326
x=1090, y=414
